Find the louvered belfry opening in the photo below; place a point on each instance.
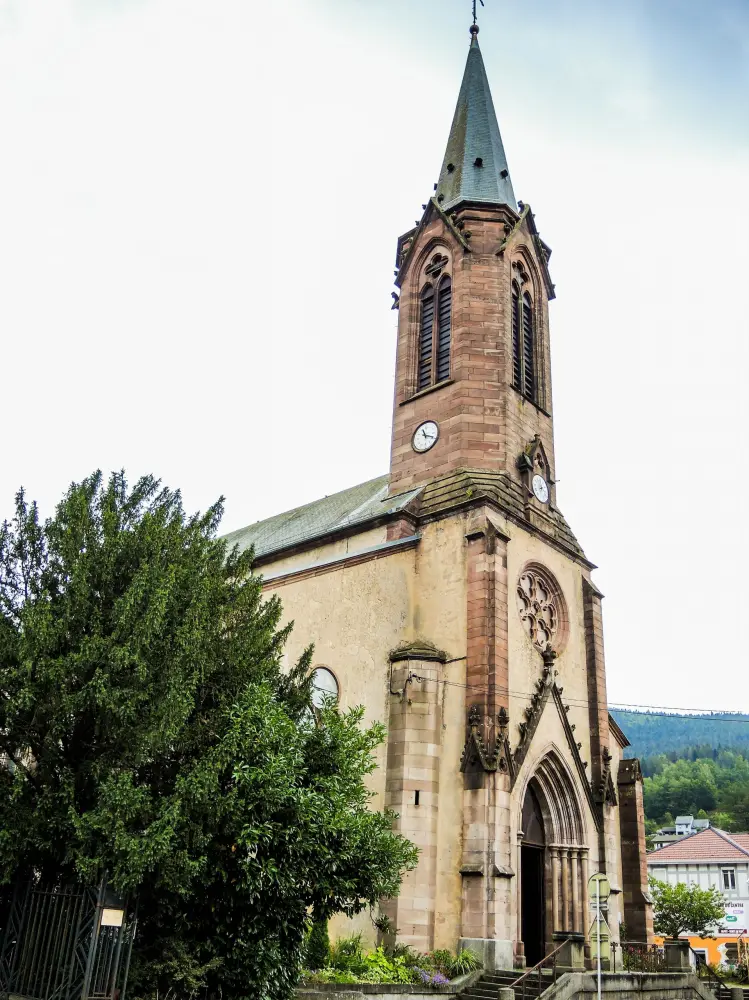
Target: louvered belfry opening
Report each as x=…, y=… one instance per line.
x=443, y=325
x=523, y=361
x=517, y=362
x=426, y=336
x=529, y=379
x=434, y=345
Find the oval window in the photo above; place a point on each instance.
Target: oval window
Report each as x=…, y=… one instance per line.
x=324, y=686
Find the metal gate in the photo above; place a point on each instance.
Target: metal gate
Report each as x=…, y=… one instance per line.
x=64, y=942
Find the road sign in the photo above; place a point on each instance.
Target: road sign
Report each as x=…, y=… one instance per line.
x=599, y=887
x=604, y=938
x=599, y=890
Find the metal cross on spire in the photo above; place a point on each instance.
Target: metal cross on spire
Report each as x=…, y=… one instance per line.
x=474, y=9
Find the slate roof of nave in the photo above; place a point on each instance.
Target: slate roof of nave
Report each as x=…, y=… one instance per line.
x=356, y=505
x=369, y=503
x=707, y=845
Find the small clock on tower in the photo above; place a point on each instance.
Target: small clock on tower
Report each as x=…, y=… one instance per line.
x=540, y=489
x=425, y=436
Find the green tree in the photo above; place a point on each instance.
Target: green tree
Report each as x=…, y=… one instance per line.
x=317, y=951
x=682, y=787
x=681, y=907
x=150, y=733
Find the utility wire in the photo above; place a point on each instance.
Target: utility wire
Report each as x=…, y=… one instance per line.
x=664, y=711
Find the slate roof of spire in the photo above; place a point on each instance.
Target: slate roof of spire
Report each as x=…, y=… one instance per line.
x=475, y=166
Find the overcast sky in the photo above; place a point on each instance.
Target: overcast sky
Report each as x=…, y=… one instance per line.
x=199, y=204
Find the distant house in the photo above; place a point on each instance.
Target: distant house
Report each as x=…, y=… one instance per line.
x=711, y=857
x=683, y=827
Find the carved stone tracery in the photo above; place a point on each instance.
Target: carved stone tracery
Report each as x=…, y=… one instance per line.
x=436, y=266
x=538, y=607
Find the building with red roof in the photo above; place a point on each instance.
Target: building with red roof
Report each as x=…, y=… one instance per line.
x=711, y=858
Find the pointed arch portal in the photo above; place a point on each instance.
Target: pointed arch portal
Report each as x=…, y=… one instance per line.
x=553, y=862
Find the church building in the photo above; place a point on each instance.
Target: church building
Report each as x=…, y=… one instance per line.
x=451, y=598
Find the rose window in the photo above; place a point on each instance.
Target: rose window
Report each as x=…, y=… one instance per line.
x=539, y=608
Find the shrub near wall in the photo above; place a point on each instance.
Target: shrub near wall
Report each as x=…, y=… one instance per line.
x=348, y=964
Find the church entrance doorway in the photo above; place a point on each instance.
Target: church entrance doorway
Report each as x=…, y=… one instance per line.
x=532, y=880
x=552, y=864
x=533, y=897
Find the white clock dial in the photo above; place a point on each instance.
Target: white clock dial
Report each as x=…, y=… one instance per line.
x=425, y=436
x=540, y=489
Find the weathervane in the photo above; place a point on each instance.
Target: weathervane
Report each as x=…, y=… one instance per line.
x=474, y=9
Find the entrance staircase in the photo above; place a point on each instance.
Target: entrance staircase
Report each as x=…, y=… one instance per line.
x=487, y=987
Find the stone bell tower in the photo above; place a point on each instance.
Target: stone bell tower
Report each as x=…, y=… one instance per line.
x=473, y=334
x=473, y=440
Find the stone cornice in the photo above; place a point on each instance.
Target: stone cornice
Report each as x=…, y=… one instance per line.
x=350, y=559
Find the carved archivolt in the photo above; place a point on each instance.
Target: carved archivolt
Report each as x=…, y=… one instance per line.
x=559, y=801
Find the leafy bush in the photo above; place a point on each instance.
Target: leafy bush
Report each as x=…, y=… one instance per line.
x=463, y=963
x=410, y=956
x=348, y=963
x=441, y=959
x=381, y=969
x=347, y=955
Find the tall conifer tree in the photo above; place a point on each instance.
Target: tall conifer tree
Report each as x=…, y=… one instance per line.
x=149, y=732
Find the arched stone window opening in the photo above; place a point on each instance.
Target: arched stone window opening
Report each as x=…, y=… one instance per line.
x=552, y=863
x=524, y=377
x=435, y=334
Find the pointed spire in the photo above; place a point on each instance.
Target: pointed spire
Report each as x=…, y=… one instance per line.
x=475, y=166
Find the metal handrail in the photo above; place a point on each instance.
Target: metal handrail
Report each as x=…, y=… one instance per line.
x=539, y=966
x=710, y=974
x=638, y=956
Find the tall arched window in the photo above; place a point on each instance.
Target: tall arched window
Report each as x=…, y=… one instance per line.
x=444, y=312
x=434, y=344
x=523, y=360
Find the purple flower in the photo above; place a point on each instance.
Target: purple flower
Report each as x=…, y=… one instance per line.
x=430, y=978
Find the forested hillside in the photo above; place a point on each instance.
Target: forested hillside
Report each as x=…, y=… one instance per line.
x=650, y=733
x=695, y=765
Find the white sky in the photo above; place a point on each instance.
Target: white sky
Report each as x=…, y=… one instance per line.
x=199, y=203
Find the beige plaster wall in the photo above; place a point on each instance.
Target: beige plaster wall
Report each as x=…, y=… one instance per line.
x=356, y=614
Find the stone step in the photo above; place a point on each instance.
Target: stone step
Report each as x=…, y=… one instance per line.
x=487, y=987
x=489, y=993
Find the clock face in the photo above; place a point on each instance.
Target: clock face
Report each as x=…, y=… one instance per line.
x=425, y=436
x=540, y=489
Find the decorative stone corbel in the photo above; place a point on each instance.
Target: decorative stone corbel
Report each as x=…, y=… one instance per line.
x=475, y=751
x=606, y=790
